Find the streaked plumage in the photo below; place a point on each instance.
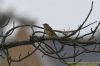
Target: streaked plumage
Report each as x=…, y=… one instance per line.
x=48, y=30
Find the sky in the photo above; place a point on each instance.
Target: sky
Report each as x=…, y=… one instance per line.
x=59, y=14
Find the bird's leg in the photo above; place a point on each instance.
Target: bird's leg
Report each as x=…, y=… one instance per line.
x=43, y=35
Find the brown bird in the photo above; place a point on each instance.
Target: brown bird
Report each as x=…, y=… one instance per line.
x=49, y=31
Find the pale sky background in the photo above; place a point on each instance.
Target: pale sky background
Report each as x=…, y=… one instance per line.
x=59, y=14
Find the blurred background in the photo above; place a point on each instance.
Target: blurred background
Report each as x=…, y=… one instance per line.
x=59, y=14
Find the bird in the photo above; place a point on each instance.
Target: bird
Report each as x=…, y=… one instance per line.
x=49, y=31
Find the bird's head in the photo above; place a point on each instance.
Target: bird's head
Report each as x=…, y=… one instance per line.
x=45, y=24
